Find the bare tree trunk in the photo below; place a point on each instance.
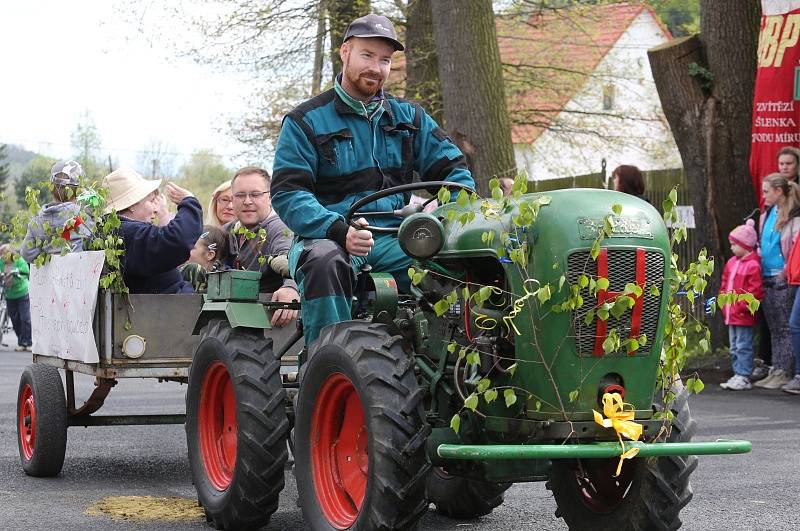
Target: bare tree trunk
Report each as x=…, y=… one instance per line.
x=706, y=86
x=340, y=14
x=472, y=85
x=422, y=64
x=319, y=42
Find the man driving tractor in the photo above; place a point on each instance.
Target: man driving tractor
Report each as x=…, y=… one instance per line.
x=340, y=146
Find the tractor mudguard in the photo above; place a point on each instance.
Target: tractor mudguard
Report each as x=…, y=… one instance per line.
x=238, y=314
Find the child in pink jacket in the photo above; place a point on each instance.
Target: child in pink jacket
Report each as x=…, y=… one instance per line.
x=742, y=274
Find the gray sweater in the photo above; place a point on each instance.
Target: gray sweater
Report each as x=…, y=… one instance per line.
x=45, y=231
x=245, y=254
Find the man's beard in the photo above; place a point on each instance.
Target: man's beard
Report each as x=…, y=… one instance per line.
x=361, y=82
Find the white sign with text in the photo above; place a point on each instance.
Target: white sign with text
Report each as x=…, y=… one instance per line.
x=63, y=296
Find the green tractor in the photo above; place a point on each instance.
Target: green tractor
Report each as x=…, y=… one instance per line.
x=487, y=374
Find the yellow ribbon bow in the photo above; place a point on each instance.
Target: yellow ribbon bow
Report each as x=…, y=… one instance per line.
x=622, y=421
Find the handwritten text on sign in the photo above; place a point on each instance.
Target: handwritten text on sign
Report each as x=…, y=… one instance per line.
x=63, y=295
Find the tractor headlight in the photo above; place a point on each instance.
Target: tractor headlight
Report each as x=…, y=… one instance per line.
x=421, y=235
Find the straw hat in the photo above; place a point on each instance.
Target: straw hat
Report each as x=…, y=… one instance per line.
x=126, y=188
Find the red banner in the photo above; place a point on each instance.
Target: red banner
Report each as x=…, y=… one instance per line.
x=776, y=115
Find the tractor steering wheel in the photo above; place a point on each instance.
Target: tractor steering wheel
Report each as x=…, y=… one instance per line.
x=402, y=213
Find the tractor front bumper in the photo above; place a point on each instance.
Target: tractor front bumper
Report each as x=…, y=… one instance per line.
x=595, y=450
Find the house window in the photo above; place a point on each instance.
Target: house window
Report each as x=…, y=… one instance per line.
x=608, y=97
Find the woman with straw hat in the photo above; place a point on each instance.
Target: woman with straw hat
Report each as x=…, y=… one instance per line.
x=153, y=253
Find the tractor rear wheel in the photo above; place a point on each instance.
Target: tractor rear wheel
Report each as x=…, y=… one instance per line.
x=648, y=494
x=236, y=426
x=459, y=497
x=360, y=432
x=41, y=421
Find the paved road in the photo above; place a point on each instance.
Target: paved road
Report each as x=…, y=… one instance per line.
x=759, y=491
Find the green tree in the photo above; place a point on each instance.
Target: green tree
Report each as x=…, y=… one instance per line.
x=203, y=173
x=86, y=145
x=682, y=17
x=35, y=175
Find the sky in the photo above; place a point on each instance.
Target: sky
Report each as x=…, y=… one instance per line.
x=63, y=58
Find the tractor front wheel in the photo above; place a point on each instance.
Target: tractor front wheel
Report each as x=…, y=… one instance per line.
x=459, y=497
x=360, y=432
x=236, y=426
x=41, y=421
x=648, y=494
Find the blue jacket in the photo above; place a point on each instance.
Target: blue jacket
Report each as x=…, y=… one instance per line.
x=153, y=253
x=328, y=156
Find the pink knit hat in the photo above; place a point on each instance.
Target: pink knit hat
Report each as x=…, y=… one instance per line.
x=744, y=235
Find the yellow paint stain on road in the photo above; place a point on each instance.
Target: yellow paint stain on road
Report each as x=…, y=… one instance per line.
x=146, y=508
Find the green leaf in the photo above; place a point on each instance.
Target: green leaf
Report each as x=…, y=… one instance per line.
x=673, y=195
x=483, y=384
x=704, y=344
x=497, y=193
x=588, y=318
x=452, y=347
x=510, y=397
x=561, y=282
x=583, y=281
x=543, y=294
x=573, y=395
x=128, y=325
x=595, y=252
x=490, y=395
x=484, y=293
x=473, y=358
x=512, y=369
x=602, y=284
x=616, y=208
x=411, y=272
x=463, y=199
x=455, y=422
x=444, y=197
x=471, y=402
x=608, y=346
x=441, y=307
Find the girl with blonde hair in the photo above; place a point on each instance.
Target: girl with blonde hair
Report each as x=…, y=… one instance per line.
x=778, y=229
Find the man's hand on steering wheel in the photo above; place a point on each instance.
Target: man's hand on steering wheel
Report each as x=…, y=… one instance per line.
x=359, y=241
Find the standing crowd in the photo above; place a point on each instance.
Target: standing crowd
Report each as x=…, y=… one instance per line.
x=766, y=263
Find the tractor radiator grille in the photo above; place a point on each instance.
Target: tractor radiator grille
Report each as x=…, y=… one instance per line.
x=622, y=269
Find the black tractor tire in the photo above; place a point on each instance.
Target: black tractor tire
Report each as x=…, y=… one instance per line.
x=41, y=421
x=360, y=402
x=459, y=497
x=649, y=493
x=235, y=377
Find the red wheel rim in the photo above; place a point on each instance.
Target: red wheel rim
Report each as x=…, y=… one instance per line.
x=27, y=422
x=216, y=426
x=597, y=486
x=339, y=451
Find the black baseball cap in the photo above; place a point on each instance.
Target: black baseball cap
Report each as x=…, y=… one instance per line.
x=374, y=26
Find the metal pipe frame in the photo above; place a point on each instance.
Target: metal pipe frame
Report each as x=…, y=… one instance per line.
x=595, y=450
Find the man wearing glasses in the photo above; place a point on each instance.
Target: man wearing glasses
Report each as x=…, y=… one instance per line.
x=340, y=146
x=259, y=240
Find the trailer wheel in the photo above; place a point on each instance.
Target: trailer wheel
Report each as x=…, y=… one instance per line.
x=236, y=426
x=41, y=421
x=360, y=432
x=649, y=493
x=459, y=497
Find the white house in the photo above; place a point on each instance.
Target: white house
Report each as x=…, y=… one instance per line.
x=592, y=96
